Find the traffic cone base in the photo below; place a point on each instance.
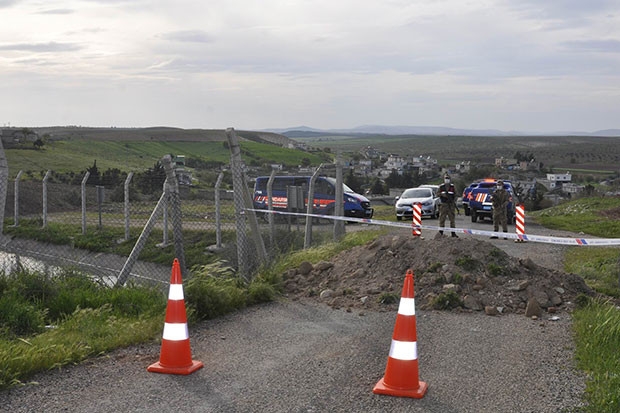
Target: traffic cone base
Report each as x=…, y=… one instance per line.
x=382, y=388
x=158, y=368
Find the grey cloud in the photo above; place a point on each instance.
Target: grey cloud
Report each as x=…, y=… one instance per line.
x=188, y=36
x=605, y=46
x=570, y=12
x=42, y=47
x=8, y=3
x=57, y=11
x=562, y=8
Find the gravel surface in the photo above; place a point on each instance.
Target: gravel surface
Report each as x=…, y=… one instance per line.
x=303, y=356
x=306, y=357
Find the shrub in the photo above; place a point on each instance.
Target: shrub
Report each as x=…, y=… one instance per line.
x=446, y=301
x=497, y=253
x=261, y=292
x=388, y=298
x=434, y=267
x=18, y=317
x=214, y=290
x=582, y=301
x=133, y=301
x=75, y=290
x=33, y=286
x=495, y=269
x=467, y=263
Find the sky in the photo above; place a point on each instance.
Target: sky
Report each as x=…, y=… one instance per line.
x=512, y=65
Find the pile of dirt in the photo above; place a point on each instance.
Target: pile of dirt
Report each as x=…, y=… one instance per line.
x=452, y=274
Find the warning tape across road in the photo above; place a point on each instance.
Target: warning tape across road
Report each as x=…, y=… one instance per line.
x=518, y=237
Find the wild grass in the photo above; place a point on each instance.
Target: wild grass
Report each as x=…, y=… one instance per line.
x=323, y=251
x=588, y=215
x=108, y=238
x=47, y=322
x=85, y=333
x=597, y=323
x=215, y=289
x=384, y=212
x=598, y=266
x=597, y=331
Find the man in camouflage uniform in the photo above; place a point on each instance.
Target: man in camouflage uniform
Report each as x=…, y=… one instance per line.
x=500, y=198
x=447, y=204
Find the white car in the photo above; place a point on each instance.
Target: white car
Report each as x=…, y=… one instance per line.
x=426, y=196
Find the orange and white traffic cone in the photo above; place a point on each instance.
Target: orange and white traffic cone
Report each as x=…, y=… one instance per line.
x=401, y=374
x=176, y=355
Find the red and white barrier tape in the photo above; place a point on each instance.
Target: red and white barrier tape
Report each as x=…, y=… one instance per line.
x=523, y=237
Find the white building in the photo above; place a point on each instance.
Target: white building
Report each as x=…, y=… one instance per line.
x=395, y=162
x=572, y=188
x=556, y=181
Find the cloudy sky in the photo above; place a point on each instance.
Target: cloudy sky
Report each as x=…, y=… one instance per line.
x=526, y=65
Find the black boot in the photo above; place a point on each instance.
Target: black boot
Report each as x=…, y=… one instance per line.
x=505, y=231
x=454, y=235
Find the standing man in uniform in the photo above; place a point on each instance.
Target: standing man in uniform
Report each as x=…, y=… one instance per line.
x=500, y=198
x=447, y=204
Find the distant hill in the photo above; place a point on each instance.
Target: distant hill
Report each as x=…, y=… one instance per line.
x=158, y=134
x=305, y=131
x=606, y=132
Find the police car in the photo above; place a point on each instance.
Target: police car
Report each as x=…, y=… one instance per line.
x=478, y=198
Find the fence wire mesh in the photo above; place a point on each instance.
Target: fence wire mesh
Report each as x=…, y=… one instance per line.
x=53, y=220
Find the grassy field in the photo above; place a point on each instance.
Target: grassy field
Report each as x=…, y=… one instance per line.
x=79, y=154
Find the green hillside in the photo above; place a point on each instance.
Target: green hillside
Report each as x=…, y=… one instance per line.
x=78, y=154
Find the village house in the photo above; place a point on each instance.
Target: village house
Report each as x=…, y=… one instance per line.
x=556, y=181
x=462, y=167
x=505, y=163
x=395, y=162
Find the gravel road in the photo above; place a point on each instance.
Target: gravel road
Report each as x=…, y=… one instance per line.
x=297, y=356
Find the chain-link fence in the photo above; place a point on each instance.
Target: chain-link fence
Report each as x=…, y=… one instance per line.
x=133, y=228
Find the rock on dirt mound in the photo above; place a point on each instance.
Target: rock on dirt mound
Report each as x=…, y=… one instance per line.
x=450, y=273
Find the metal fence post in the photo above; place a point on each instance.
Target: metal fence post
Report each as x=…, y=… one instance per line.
x=308, y=237
x=271, y=217
x=242, y=201
x=100, y=200
x=4, y=184
x=165, y=241
x=16, y=200
x=218, y=224
x=175, y=204
x=45, y=179
x=339, y=207
x=86, y=176
x=127, y=181
x=140, y=243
